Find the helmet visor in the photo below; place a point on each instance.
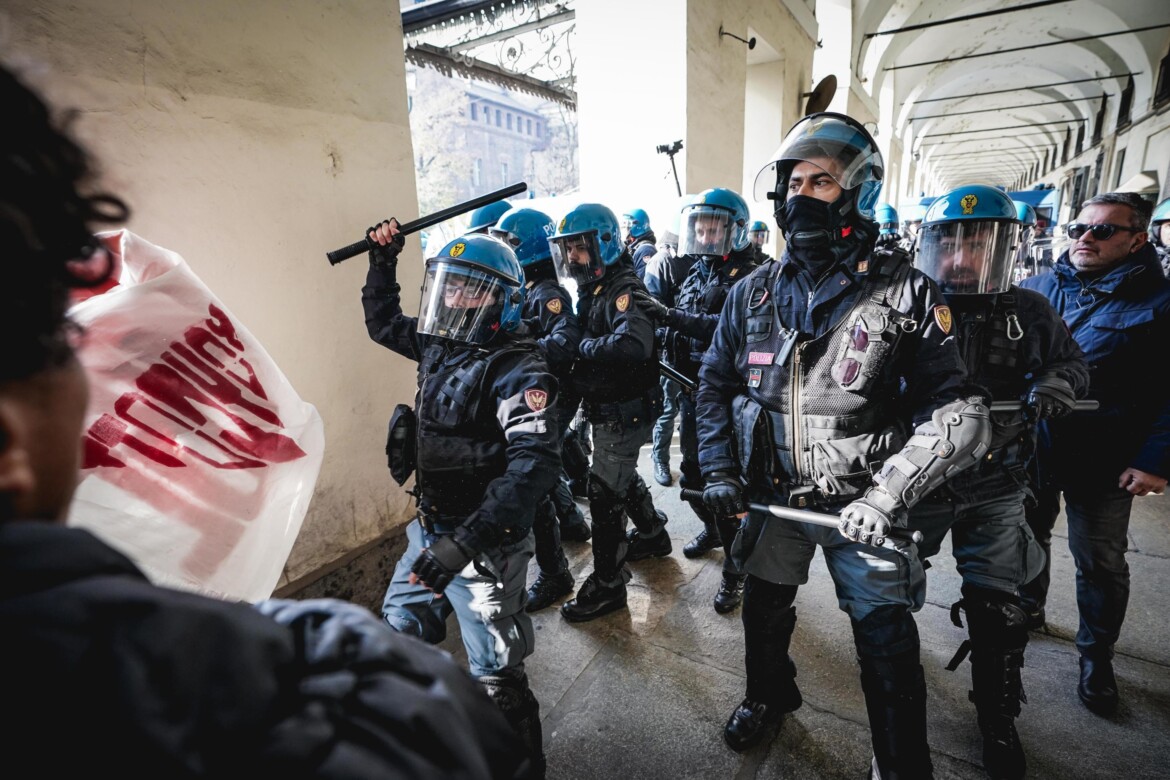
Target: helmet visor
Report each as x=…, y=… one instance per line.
x=844, y=151
x=968, y=258
x=577, y=257
x=707, y=231
x=460, y=303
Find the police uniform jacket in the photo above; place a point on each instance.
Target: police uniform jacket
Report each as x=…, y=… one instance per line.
x=1121, y=320
x=641, y=251
x=487, y=444
x=616, y=357
x=691, y=322
x=548, y=312
x=103, y=671
x=1009, y=340
x=792, y=394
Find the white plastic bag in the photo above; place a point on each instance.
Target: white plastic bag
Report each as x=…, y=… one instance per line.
x=199, y=457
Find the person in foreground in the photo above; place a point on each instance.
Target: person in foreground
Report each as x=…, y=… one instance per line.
x=105, y=671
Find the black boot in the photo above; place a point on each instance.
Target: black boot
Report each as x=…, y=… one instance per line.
x=1098, y=686
x=730, y=593
x=998, y=627
x=639, y=548
x=574, y=527
x=895, y=698
x=521, y=709
x=705, y=542
x=604, y=590
x=768, y=622
x=595, y=599
x=548, y=588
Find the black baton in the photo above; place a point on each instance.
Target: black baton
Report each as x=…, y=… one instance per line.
x=807, y=516
x=1015, y=406
x=346, y=252
x=670, y=372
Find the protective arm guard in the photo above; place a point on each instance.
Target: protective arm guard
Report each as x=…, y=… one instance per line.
x=956, y=438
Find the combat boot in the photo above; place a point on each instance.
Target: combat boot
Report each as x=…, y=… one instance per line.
x=548, y=588
x=594, y=599
x=639, y=548
x=705, y=542
x=522, y=711
x=752, y=720
x=730, y=593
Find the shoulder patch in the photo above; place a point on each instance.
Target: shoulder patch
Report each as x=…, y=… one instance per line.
x=623, y=302
x=942, y=315
x=554, y=305
x=536, y=399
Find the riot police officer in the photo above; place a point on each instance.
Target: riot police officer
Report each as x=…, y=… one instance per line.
x=1160, y=234
x=1024, y=264
x=549, y=318
x=486, y=447
x=887, y=218
x=759, y=234
x=1017, y=347
x=616, y=374
x=639, y=239
x=833, y=383
x=714, y=233
x=485, y=217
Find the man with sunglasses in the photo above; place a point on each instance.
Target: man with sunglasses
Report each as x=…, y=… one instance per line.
x=1109, y=288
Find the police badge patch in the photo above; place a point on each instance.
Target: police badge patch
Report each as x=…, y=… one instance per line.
x=457, y=249
x=554, y=305
x=536, y=399
x=623, y=302
x=942, y=315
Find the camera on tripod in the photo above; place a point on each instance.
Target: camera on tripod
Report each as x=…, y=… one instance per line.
x=671, y=149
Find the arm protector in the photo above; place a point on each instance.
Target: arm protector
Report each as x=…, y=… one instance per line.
x=956, y=438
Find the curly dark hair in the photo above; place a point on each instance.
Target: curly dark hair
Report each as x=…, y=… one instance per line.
x=48, y=215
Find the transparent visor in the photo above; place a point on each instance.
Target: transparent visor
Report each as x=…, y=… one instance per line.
x=460, y=303
x=758, y=237
x=577, y=257
x=848, y=164
x=968, y=258
x=888, y=227
x=706, y=231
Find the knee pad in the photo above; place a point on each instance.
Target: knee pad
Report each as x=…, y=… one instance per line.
x=886, y=632
x=994, y=617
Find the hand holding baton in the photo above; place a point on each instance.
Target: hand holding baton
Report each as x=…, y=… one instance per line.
x=807, y=516
x=360, y=247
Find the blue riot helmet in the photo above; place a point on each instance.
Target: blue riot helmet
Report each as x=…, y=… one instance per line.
x=473, y=288
x=526, y=231
x=968, y=239
x=1159, y=232
x=838, y=145
x=587, y=240
x=635, y=224
x=887, y=218
x=714, y=224
x=758, y=233
x=486, y=216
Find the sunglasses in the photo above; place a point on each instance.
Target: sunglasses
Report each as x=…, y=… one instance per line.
x=1102, y=232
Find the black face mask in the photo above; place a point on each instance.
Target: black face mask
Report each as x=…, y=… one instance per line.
x=810, y=223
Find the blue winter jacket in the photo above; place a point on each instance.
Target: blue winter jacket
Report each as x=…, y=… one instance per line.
x=1121, y=320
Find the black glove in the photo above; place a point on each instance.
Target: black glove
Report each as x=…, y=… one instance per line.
x=440, y=563
x=869, y=519
x=1049, y=397
x=724, y=494
x=384, y=255
x=654, y=308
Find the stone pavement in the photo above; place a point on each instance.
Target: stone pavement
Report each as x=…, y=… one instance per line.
x=644, y=693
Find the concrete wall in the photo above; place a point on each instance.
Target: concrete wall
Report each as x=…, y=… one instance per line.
x=676, y=78
x=251, y=138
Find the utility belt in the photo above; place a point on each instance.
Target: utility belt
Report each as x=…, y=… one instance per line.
x=628, y=413
x=439, y=523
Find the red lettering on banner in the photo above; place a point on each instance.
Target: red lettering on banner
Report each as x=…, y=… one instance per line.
x=192, y=398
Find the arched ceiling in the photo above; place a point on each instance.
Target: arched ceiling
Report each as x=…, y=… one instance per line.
x=982, y=89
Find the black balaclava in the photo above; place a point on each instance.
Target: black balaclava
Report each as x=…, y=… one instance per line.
x=821, y=234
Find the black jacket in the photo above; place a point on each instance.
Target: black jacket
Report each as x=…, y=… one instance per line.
x=105, y=672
